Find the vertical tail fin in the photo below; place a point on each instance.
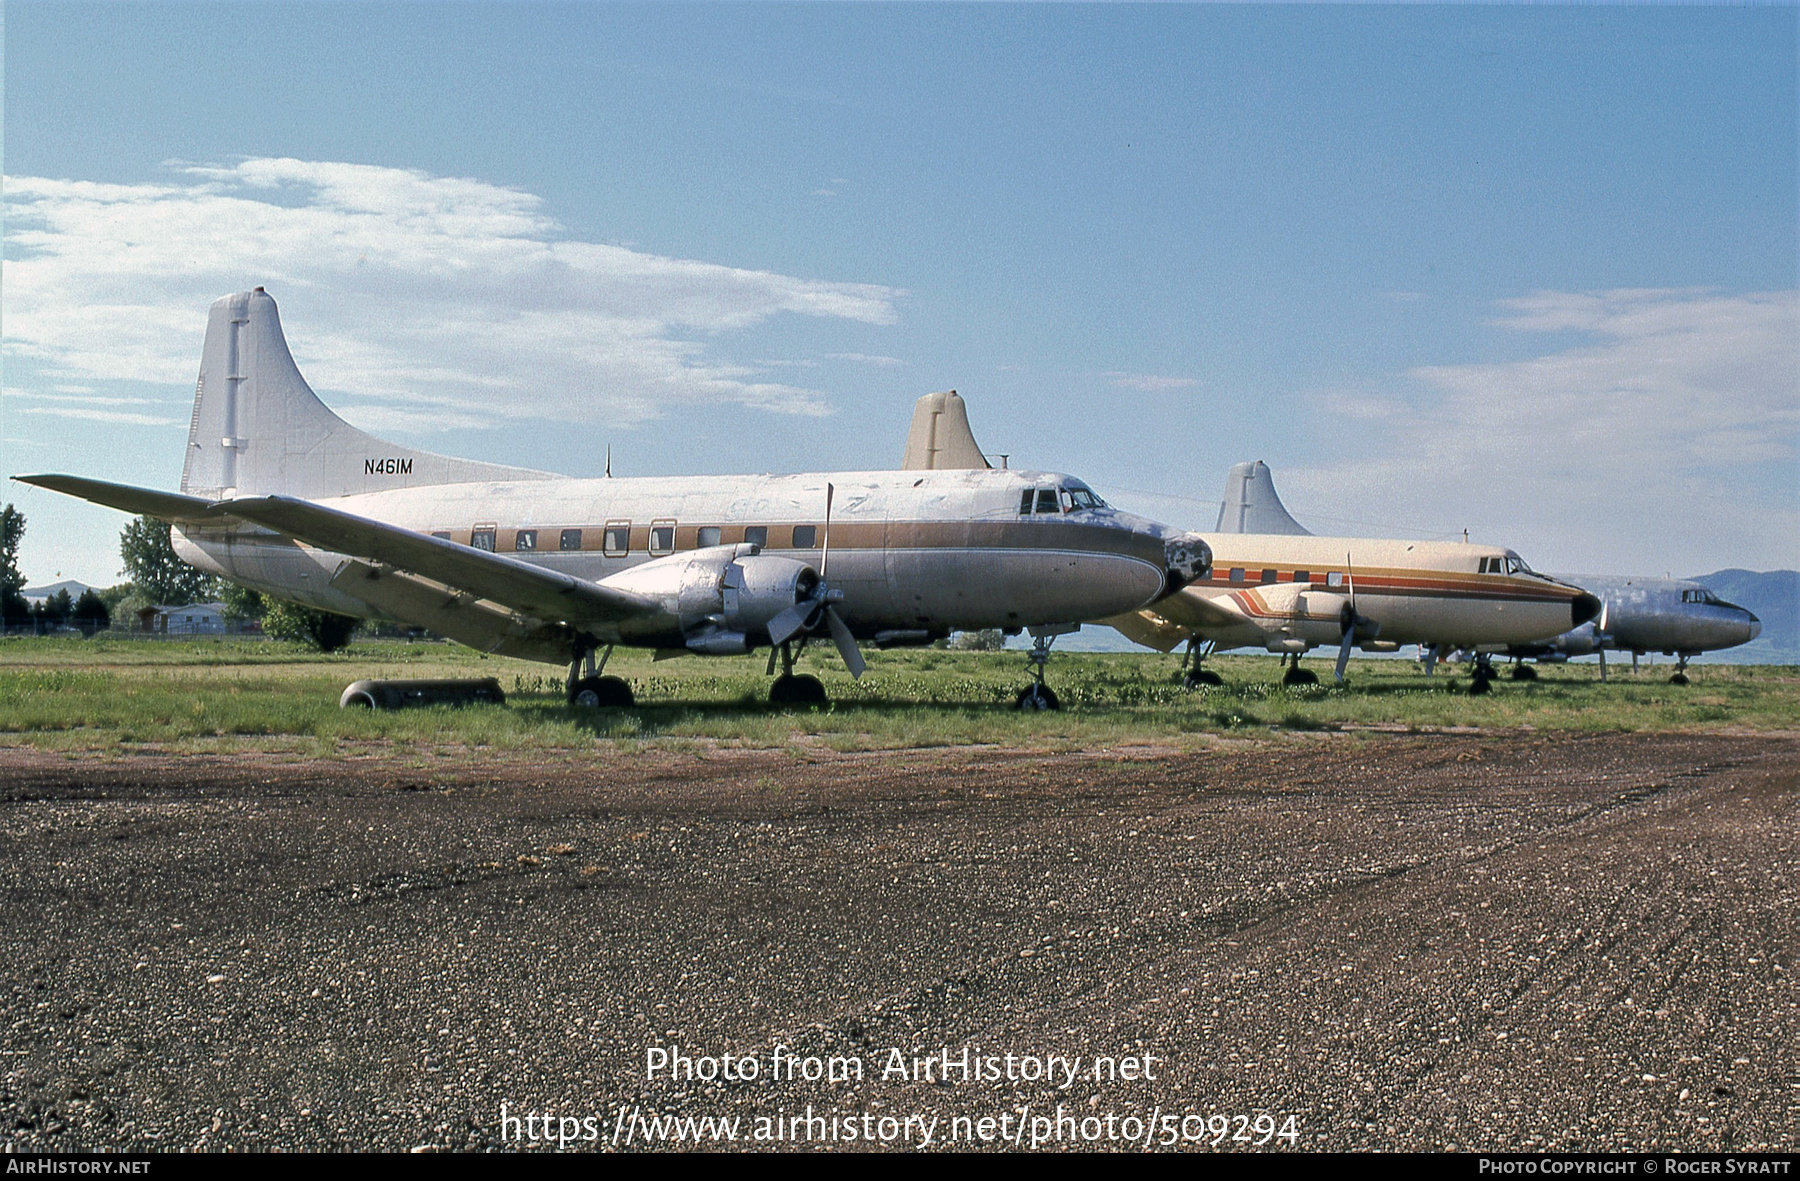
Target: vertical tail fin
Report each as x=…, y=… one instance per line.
x=257, y=426
x=1251, y=505
x=940, y=436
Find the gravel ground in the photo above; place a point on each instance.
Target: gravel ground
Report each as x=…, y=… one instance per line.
x=1474, y=942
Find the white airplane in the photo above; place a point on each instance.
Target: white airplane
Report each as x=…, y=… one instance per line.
x=281, y=495
x=1275, y=586
x=1675, y=616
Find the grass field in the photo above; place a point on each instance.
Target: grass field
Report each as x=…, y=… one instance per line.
x=117, y=695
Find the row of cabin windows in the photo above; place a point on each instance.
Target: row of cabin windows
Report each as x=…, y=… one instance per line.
x=1239, y=574
x=615, y=538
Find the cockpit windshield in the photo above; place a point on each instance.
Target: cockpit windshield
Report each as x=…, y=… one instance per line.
x=1077, y=496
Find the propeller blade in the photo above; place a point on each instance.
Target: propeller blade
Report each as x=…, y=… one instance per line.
x=783, y=627
x=1350, y=582
x=825, y=549
x=846, y=644
x=1344, y=651
x=1605, y=609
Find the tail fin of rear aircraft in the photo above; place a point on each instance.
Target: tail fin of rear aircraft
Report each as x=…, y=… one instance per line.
x=259, y=428
x=1251, y=505
x=940, y=436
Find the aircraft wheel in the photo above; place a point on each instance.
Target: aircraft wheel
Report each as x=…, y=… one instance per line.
x=1524, y=672
x=1479, y=685
x=602, y=693
x=801, y=690
x=1678, y=679
x=1038, y=698
x=1299, y=676
x=1202, y=676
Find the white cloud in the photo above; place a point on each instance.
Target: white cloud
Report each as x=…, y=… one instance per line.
x=111, y=416
x=1672, y=421
x=1149, y=383
x=447, y=301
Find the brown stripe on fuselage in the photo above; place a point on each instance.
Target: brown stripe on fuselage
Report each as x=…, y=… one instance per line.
x=1410, y=584
x=1024, y=534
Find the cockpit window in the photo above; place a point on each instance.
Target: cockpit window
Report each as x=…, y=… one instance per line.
x=1076, y=497
x=1699, y=595
x=1046, y=500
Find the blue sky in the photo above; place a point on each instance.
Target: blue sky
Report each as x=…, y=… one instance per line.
x=1528, y=271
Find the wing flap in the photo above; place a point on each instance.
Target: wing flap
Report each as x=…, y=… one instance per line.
x=484, y=626
x=545, y=594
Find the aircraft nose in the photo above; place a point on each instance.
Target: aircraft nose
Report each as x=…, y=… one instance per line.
x=1754, y=625
x=1583, y=608
x=1186, y=556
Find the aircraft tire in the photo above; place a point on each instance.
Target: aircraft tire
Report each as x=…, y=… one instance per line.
x=1202, y=676
x=801, y=690
x=1299, y=676
x=1037, y=698
x=602, y=693
x=1524, y=672
x=1479, y=685
x=1678, y=679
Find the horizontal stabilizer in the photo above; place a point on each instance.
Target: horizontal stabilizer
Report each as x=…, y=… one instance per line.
x=545, y=594
x=164, y=506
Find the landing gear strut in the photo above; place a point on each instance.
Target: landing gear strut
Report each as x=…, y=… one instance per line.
x=1295, y=675
x=1190, y=660
x=1481, y=677
x=1037, y=695
x=1680, y=677
x=589, y=690
x=788, y=689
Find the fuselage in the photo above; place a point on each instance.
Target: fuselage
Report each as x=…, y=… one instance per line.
x=1673, y=616
x=1291, y=590
x=915, y=554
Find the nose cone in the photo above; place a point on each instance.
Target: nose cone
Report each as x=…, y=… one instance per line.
x=1186, y=556
x=1754, y=626
x=1583, y=608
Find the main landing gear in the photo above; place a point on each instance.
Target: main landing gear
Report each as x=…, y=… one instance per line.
x=1196, y=676
x=788, y=689
x=589, y=690
x=1522, y=671
x=1295, y=675
x=1037, y=695
x=1481, y=677
x=1680, y=677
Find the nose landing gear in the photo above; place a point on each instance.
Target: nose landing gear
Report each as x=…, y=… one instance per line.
x=1037, y=695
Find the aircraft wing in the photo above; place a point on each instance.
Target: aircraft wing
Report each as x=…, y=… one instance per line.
x=532, y=590
x=1190, y=609
x=164, y=506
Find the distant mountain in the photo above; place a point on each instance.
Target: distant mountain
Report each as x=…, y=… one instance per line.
x=1774, y=596
x=34, y=594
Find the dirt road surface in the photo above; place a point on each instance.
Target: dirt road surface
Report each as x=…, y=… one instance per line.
x=1476, y=942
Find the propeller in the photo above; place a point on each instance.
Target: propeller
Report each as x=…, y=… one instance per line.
x=804, y=615
x=1349, y=621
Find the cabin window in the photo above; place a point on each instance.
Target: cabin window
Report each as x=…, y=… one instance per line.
x=1335, y=578
x=1268, y=576
x=1046, y=500
x=709, y=536
x=1302, y=576
x=615, y=542
x=805, y=536
x=662, y=537
x=571, y=539
x=1237, y=574
x=525, y=539
x=443, y=536
x=1026, y=498
x=756, y=535
x=483, y=538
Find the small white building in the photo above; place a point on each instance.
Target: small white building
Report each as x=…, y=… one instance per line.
x=193, y=619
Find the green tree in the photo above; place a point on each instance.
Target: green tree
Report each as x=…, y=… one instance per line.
x=90, y=613
x=14, y=610
x=159, y=577
x=324, y=630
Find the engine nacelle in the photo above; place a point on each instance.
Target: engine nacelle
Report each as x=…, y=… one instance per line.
x=722, y=599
